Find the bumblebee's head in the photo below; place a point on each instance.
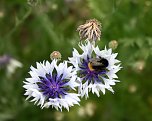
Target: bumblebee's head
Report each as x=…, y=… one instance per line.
x=97, y=64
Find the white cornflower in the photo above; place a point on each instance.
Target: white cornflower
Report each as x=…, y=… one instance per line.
x=96, y=69
x=51, y=85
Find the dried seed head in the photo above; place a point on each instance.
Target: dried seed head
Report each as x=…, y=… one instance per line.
x=55, y=55
x=113, y=44
x=90, y=30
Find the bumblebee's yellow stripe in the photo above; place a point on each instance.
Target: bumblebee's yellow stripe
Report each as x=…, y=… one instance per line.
x=90, y=67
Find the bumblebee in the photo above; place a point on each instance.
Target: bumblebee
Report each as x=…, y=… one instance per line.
x=98, y=64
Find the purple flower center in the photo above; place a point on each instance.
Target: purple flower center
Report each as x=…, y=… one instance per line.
x=53, y=86
x=89, y=74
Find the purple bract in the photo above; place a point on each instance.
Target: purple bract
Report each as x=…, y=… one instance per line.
x=53, y=86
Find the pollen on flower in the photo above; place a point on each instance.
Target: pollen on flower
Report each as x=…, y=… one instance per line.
x=90, y=30
x=55, y=55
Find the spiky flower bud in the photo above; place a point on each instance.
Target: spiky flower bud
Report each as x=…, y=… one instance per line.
x=90, y=30
x=113, y=44
x=55, y=55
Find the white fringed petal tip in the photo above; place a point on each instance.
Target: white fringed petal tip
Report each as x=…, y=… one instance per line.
x=92, y=80
x=49, y=85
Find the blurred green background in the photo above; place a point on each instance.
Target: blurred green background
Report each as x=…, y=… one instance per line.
x=30, y=31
